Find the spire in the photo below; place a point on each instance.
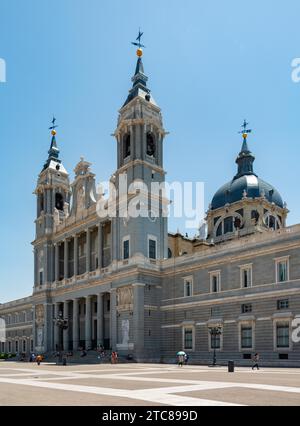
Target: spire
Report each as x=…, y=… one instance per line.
x=245, y=158
x=53, y=153
x=139, y=80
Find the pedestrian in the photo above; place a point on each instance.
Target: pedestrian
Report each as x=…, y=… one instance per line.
x=38, y=359
x=114, y=357
x=186, y=359
x=255, y=360
x=180, y=360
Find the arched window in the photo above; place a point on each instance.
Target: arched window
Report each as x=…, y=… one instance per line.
x=151, y=148
x=228, y=224
x=219, y=230
x=59, y=201
x=169, y=253
x=271, y=221
x=255, y=215
x=126, y=146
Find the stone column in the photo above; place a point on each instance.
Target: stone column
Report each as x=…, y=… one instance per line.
x=88, y=322
x=100, y=319
x=75, y=324
x=56, y=329
x=88, y=250
x=113, y=319
x=36, y=274
x=138, y=318
x=66, y=332
x=56, y=261
x=75, y=255
x=33, y=328
x=48, y=326
x=66, y=258
x=100, y=246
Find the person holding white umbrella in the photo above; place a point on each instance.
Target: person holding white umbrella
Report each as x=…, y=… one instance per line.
x=181, y=355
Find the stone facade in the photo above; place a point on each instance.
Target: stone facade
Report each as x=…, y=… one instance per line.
x=126, y=284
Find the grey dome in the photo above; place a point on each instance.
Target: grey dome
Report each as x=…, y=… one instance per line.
x=245, y=180
x=254, y=187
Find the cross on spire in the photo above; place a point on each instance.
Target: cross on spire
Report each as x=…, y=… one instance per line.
x=53, y=127
x=139, y=44
x=245, y=131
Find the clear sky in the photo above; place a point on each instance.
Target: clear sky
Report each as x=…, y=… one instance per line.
x=210, y=65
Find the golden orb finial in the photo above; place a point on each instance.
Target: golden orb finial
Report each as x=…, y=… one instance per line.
x=53, y=132
x=139, y=52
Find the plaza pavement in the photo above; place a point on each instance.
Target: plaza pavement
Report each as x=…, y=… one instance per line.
x=145, y=384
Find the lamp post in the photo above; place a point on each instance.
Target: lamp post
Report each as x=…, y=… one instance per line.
x=62, y=324
x=214, y=332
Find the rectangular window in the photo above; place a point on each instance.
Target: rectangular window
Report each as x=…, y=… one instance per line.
x=17, y=346
x=215, y=282
x=246, y=308
x=188, y=287
x=215, y=341
x=282, y=304
x=282, y=270
x=215, y=312
x=41, y=277
x=246, y=276
x=126, y=249
x=246, y=337
x=108, y=305
x=9, y=347
x=283, y=335
x=152, y=249
x=188, y=338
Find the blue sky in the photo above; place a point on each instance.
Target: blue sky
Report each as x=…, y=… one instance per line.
x=210, y=65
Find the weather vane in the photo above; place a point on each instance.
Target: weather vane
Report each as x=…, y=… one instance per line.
x=53, y=127
x=245, y=131
x=139, y=52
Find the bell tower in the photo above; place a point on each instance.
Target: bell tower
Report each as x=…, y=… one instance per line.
x=52, y=197
x=140, y=134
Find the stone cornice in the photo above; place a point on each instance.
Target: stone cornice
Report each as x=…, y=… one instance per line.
x=230, y=299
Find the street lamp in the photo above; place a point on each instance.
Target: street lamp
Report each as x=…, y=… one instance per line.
x=62, y=324
x=214, y=332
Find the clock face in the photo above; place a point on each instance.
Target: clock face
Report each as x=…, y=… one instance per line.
x=150, y=145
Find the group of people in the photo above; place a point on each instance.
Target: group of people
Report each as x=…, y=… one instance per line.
x=183, y=358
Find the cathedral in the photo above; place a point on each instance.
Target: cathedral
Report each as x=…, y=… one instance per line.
x=125, y=283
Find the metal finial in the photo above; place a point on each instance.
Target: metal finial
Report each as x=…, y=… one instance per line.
x=53, y=124
x=139, y=44
x=245, y=131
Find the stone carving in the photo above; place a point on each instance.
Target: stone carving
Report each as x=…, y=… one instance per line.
x=125, y=332
x=125, y=296
x=39, y=314
x=41, y=259
x=40, y=336
x=66, y=210
x=81, y=199
x=56, y=217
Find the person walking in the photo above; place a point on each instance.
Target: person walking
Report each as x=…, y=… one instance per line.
x=39, y=359
x=255, y=360
x=186, y=359
x=180, y=360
